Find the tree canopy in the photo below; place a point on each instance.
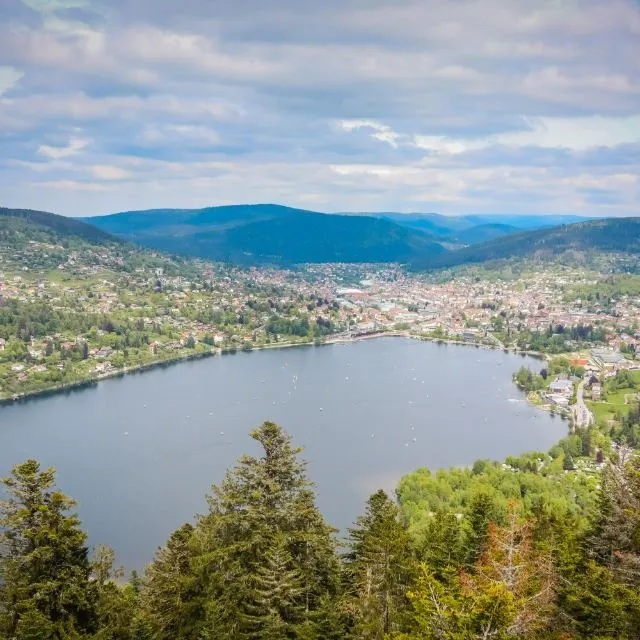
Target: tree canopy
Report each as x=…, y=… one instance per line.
x=522, y=550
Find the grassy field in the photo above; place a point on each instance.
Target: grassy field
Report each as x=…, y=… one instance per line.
x=615, y=403
x=604, y=412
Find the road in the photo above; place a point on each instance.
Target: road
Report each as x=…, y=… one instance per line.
x=582, y=417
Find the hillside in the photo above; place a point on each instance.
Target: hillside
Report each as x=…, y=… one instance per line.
x=51, y=225
x=435, y=224
x=527, y=222
x=608, y=235
x=475, y=228
x=484, y=233
x=270, y=234
x=182, y=222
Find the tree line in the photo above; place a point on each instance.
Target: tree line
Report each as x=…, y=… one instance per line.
x=262, y=563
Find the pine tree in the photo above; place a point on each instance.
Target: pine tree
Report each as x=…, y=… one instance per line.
x=278, y=588
x=595, y=605
x=512, y=571
x=443, y=549
x=483, y=509
x=263, y=513
x=118, y=606
x=379, y=570
x=170, y=594
x=45, y=588
x=436, y=607
x=567, y=463
x=599, y=590
x=510, y=593
x=616, y=536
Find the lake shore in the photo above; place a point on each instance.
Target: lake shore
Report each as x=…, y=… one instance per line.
x=165, y=362
x=164, y=437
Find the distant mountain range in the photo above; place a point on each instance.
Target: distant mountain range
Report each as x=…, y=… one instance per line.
x=484, y=233
x=268, y=233
x=273, y=234
x=450, y=227
x=605, y=235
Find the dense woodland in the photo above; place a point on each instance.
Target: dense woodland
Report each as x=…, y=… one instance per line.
x=560, y=339
x=48, y=224
x=271, y=234
x=593, y=236
x=521, y=550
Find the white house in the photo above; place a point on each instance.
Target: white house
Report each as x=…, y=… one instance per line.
x=563, y=387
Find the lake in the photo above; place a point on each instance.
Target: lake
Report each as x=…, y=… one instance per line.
x=139, y=453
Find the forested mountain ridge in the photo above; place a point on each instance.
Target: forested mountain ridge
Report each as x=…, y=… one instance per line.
x=181, y=220
x=32, y=222
x=450, y=225
x=308, y=237
x=270, y=234
x=604, y=235
x=484, y=233
x=273, y=234
x=264, y=234
x=523, y=550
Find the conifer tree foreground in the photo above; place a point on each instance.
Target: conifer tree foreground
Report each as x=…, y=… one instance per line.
x=262, y=563
x=379, y=570
x=44, y=568
x=263, y=555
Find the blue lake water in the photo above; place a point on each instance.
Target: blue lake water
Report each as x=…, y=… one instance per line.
x=139, y=453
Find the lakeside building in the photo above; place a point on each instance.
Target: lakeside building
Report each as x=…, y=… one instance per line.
x=564, y=387
x=607, y=358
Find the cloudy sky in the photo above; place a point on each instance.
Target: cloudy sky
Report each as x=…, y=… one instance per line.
x=515, y=106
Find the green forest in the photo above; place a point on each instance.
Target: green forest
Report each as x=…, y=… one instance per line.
x=518, y=550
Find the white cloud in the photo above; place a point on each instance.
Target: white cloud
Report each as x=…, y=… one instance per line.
x=576, y=134
x=108, y=172
x=392, y=104
x=381, y=132
x=441, y=144
x=9, y=77
x=71, y=185
x=351, y=125
x=75, y=146
x=199, y=53
x=51, y=6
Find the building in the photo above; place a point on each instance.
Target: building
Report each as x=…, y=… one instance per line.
x=596, y=391
x=561, y=387
x=607, y=358
x=559, y=399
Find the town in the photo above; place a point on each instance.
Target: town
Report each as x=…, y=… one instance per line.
x=69, y=315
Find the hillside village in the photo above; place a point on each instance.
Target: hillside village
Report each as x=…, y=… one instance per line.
x=117, y=307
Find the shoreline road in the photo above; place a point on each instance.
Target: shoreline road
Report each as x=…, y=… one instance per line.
x=582, y=417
